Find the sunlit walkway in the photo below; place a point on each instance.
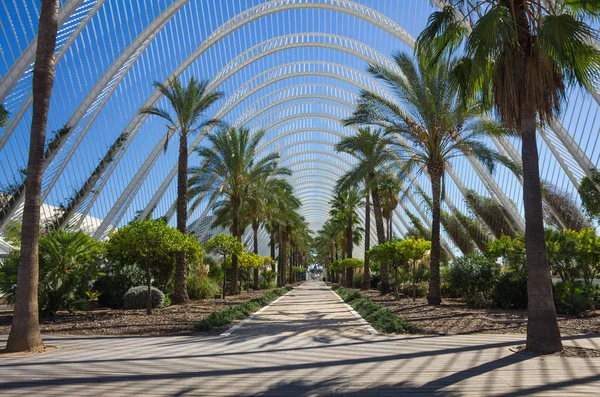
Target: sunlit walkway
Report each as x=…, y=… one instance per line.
x=305, y=344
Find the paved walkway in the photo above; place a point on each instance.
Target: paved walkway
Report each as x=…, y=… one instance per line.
x=305, y=344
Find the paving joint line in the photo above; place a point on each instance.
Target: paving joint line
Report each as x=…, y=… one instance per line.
x=361, y=320
x=253, y=315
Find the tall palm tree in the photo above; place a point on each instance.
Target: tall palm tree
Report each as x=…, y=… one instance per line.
x=329, y=237
x=520, y=57
x=371, y=147
x=344, y=206
x=190, y=105
x=432, y=129
x=229, y=165
x=25, y=332
x=389, y=186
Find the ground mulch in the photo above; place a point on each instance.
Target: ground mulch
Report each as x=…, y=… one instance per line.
x=453, y=317
x=172, y=320
x=567, y=351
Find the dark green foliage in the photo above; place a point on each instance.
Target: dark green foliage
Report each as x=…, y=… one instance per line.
x=137, y=298
x=377, y=315
x=560, y=210
x=8, y=276
x=576, y=297
x=116, y=282
x=4, y=115
x=590, y=196
x=493, y=214
x=473, y=278
x=225, y=317
x=510, y=291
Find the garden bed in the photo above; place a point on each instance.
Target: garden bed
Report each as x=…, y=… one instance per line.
x=172, y=320
x=454, y=317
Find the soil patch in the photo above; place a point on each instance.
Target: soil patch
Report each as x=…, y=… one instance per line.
x=172, y=320
x=567, y=351
x=453, y=317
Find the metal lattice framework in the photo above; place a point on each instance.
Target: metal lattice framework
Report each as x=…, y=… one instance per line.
x=292, y=67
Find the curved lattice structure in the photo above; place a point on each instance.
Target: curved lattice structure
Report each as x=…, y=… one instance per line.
x=292, y=67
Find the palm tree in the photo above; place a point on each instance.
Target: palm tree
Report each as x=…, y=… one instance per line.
x=4, y=115
x=520, y=57
x=372, y=150
x=190, y=105
x=344, y=207
x=25, y=332
x=389, y=186
x=329, y=237
x=228, y=168
x=433, y=129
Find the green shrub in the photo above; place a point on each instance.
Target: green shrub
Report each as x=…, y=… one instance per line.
x=68, y=263
x=225, y=317
x=118, y=279
x=267, y=280
x=201, y=287
x=357, y=279
x=378, y=316
x=136, y=298
x=576, y=297
x=473, y=278
x=510, y=291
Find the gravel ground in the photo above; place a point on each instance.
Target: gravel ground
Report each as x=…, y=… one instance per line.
x=453, y=317
x=172, y=320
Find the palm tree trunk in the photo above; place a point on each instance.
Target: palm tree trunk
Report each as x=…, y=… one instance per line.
x=235, y=216
x=180, y=295
x=148, y=289
x=543, y=334
x=272, y=243
x=349, y=248
x=434, y=297
x=25, y=332
x=366, y=283
x=255, y=232
x=383, y=268
x=281, y=260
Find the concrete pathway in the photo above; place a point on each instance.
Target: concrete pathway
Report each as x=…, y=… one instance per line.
x=306, y=344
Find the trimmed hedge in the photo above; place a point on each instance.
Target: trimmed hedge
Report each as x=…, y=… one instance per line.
x=240, y=311
x=137, y=298
x=378, y=316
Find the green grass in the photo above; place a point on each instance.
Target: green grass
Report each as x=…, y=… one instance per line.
x=378, y=316
x=240, y=311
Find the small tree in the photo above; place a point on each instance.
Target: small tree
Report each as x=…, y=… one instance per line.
x=590, y=195
x=413, y=250
x=151, y=244
x=351, y=263
x=225, y=246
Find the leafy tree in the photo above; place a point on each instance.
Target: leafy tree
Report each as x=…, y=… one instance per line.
x=226, y=246
x=412, y=250
x=432, y=128
x=588, y=255
x=520, y=56
x=152, y=245
x=25, y=331
x=190, y=105
x=229, y=165
x=511, y=253
x=562, y=253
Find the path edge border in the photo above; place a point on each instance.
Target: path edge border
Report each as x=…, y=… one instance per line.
x=361, y=320
x=237, y=326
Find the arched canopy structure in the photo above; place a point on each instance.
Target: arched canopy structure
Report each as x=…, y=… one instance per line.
x=292, y=67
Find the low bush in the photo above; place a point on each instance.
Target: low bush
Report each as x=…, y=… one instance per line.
x=473, y=277
x=136, y=298
x=225, y=317
x=510, y=291
x=576, y=297
x=377, y=315
x=115, y=283
x=357, y=279
x=375, y=280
